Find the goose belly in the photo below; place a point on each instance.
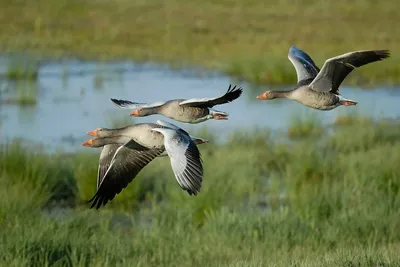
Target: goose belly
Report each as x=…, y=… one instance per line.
x=185, y=113
x=317, y=100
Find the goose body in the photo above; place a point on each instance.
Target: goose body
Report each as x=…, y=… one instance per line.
x=319, y=89
x=126, y=151
x=193, y=110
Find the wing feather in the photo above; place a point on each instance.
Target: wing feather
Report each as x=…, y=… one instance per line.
x=127, y=162
x=185, y=159
x=231, y=94
x=336, y=69
x=106, y=155
x=304, y=65
x=126, y=104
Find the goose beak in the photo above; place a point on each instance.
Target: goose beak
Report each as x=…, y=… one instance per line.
x=220, y=117
x=88, y=142
x=134, y=113
x=262, y=96
x=92, y=133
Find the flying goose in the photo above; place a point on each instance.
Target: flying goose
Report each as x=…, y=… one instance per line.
x=194, y=110
x=126, y=151
x=322, y=91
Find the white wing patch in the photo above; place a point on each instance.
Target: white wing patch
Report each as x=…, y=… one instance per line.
x=187, y=169
x=176, y=153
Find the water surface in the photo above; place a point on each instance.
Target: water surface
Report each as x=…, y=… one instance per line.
x=73, y=97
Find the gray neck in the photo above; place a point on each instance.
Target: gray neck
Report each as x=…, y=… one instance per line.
x=120, y=140
x=283, y=94
x=149, y=111
x=113, y=132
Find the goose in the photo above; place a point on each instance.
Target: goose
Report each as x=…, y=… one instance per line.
x=126, y=151
x=108, y=151
x=319, y=89
x=194, y=110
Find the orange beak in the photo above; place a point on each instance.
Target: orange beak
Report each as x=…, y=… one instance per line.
x=220, y=117
x=134, y=113
x=263, y=96
x=88, y=142
x=93, y=133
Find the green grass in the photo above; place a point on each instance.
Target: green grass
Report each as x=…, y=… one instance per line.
x=345, y=120
x=333, y=200
x=305, y=125
x=247, y=39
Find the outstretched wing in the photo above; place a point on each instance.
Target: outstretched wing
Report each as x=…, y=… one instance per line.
x=128, y=161
x=336, y=69
x=231, y=94
x=126, y=104
x=187, y=166
x=185, y=159
x=304, y=65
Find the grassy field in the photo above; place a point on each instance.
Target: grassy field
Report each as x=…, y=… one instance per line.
x=330, y=199
x=248, y=39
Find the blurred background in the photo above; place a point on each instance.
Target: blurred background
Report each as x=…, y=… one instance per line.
x=284, y=185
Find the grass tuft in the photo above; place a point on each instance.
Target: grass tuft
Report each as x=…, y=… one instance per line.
x=305, y=125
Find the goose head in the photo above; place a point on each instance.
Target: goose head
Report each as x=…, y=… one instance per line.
x=268, y=95
x=142, y=112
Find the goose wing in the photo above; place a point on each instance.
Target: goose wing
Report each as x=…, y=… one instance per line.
x=106, y=155
x=126, y=104
x=336, y=69
x=171, y=126
x=185, y=158
x=231, y=94
x=304, y=65
x=196, y=140
x=128, y=160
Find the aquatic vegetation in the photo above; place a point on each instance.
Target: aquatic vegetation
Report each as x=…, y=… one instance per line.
x=21, y=70
x=241, y=38
x=264, y=202
x=24, y=92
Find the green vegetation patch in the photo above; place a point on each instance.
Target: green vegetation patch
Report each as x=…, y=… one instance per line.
x=249, y=39
x=331, y=200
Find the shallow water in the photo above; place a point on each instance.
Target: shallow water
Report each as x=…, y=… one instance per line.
x=73, y=98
